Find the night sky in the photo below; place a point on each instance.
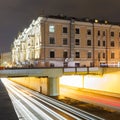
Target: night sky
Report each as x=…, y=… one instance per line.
x=15, y=15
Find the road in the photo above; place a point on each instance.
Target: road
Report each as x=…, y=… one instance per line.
x=31, y=105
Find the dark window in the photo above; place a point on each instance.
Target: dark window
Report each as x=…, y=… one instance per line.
x=65, y=54
x=103, y=33
x=104, y=43
x=112, y=44
x=65, y=41
x=89, y=32
x=52, y=65
x=65, y=30
x=77, y=42
x=89, y=55
x=112, y=34
x=98, y=33
x=99, y=56
x=28, y=44
x=77, y=31
x=98, y=42
x=77, y=54
x=112, y=55
x=52, y=40
x=52, y=54
x=77, y=64
x=103, y=55
x=88, y=42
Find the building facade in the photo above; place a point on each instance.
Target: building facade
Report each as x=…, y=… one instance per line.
x=58, y=42
x=6, y=59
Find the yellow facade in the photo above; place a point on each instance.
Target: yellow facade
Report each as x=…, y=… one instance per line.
x=66, y=42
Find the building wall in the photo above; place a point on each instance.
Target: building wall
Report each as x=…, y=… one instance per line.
x=6, y=59
x=34, y=83
x=33, y=45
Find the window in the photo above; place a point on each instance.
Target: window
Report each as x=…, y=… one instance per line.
x=89, y=55
x=65, y=54
x=52, y=40
x=77, y=31
x=112, y=34
x=103, y=55
x=52, y=65
x=104, y=43
x=77, y=42
x=88, y=42
x=112, y=55
x=112, y=44
x=28, y=44
x=89, y=32
x=65, y=41
x=52, y=28
x=98, y=42
x=98, y=56
x=77, y=54
x=103, y=33
x=65, y=30
x=77, y=64
x=52, y=54
x=98, y=33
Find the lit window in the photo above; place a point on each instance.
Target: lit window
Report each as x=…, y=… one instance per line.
x=52, y=28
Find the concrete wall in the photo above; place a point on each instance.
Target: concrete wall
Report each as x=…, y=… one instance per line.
x=37, y=84
x=108, y=82
x=47, y=86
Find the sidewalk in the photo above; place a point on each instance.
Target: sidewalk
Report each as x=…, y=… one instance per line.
x=7, y=111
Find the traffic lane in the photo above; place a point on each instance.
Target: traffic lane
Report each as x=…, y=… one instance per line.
x=97, y=99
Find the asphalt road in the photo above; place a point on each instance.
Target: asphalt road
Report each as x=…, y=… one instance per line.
x=31, y=105
x=101, y=105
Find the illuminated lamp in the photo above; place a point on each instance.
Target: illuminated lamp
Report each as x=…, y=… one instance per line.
x=96, y=21
x=106, y=22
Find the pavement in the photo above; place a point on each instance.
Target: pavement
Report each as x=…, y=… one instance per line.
x=7, y=111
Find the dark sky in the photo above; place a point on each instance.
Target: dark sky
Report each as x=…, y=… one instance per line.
x=15, y=15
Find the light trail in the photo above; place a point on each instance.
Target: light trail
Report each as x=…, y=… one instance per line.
x=43, y=106
x=89, y=97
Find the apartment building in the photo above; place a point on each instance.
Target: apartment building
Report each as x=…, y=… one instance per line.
x=5, y=59
x=58, y=41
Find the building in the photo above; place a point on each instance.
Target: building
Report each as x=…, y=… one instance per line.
x=58, y=41
x=6, y=59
